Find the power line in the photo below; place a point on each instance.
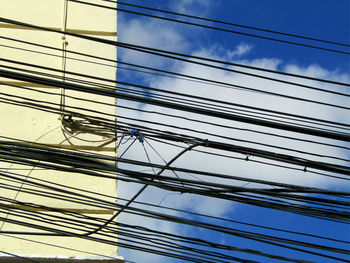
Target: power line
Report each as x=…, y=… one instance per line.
x=190, y=78
x=198, y=98
x=227, y=23
x=166, y=53
x=175, y=184
x=193, y=213
x=203, y=111
x=183, y=211
x=318, y=203
x=270, y=242
x=265, y=154
x=212, y=27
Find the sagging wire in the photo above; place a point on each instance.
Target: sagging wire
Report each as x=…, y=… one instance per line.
x=309, y=162
x=146, y=185
x=165, y=162
x=185, y=77
x=28, y=174
x=197, y=214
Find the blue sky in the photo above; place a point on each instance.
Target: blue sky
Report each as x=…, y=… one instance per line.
x=325, y=19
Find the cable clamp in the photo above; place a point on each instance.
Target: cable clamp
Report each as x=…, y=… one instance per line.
x=68, y=117
x=65, y=42
x=137, y=134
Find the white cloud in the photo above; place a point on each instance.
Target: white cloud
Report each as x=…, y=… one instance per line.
x=241, y=49
x=149, y=33
x=192, y=7
x=166, y=36
x=233, y=167
x=255, y=100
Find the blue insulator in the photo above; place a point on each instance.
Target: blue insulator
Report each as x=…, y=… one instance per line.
x=134, y=132
x=140, y=138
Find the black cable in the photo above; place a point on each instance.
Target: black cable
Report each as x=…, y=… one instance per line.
x=177, y=94
x=274, y=156
x=46, y=108
x=227, y=23
x=188, y=212
x=163, y=135
x=305, y=243
x=156, y=176
x=106, y=241
x=78, y=98
x=222, y=115
x=27, y=88
x=230, y=127
x=237, y=140
x=140, y=176
x=218, y=254
x=211, y=27
x=35, y=192
x=136, y=195
x=18, y=144
x=164, y=53
x=271, y=116
x=70, y=97
x=196, y=79
x=177, y=56
x=159, y=139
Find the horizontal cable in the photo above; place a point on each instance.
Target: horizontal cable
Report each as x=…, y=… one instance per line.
x=211, y=27
x=166, y=53
x=228, y=23
x=198, y=98
x=187, y=77
x=305, y=243
x=223, y=115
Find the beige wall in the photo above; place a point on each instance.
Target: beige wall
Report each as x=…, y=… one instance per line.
x=42, y=127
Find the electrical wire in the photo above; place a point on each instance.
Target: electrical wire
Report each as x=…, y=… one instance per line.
x=211, y=27
x=227, y=23
x=17, y=201
x=223, y=115
x=170, y=54
x=191, y=78
x=317, y=203
x=205, y=133
x=184, y=211
x=142, y=177
x=197, y=97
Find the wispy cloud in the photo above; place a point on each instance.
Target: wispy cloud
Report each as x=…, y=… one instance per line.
x=194, y=7
x=154, y=34
x=150, y=33
x=233, y=167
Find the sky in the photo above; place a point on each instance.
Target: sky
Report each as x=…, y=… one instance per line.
x=328, y=20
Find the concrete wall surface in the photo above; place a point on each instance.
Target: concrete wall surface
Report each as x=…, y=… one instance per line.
x=22, y=51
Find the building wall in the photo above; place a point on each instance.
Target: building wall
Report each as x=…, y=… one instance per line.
x=43, y=127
